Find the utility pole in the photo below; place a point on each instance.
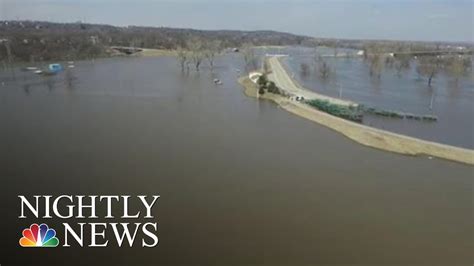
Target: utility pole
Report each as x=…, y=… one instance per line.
x=432, y=100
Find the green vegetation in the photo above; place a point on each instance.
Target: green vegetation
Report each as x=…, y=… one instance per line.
x=262, y=81
x=265, y=85
x=342, y=111
x=357, y=113
x=375, y=111
x=395, y=114
x=272, y=88
x=429, y=118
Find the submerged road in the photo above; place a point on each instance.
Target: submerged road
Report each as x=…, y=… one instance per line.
x=283, y=80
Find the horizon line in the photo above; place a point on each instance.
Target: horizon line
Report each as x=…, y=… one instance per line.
x=241, y=30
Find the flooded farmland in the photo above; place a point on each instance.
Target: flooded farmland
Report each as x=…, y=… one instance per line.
x=241, y=181
x=450, y=100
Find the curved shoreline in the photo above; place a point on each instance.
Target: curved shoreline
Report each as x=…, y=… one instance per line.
x=368, y=136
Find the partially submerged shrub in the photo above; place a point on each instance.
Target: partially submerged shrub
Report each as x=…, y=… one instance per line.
x=395, y=114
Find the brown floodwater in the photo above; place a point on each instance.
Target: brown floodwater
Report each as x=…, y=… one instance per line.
x=241, y=181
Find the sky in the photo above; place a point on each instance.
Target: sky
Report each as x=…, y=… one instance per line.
x=424, y=20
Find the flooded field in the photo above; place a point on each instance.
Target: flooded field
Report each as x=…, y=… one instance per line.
x=404, y=91
x=241, y=181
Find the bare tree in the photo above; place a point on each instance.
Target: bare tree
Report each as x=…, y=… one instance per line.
x=375, y=65
x=316, y=57
x=266, y=67
x=8, y=50
x=304, y=68
x=196, y=48
x=182, y=56
x=402, y=63
x=213, y=48
x=324, y=70
x=429, y=67
x=249, y=55
x=456, y=68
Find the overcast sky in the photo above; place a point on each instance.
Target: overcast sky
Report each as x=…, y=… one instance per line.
x=429, y=20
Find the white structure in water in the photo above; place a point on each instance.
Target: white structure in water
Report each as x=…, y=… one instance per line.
x=254, y=76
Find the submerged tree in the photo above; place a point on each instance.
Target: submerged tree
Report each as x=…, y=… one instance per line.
x=266, y=67
x=249, y=56
x=402, y=63
x=212, y=48
x=457, y=67
x=428, y=66
x=304, y=68
x=375, y=65
x=316, y=57
x=8, y=50
x=324, y=70
x=182, y=56
x=196, y=48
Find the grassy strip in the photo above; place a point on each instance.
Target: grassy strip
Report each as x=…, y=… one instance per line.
x=372, y=110
x=394, y=114
x=342, y=111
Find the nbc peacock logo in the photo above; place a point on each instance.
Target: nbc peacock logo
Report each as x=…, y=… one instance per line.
x=39, y=236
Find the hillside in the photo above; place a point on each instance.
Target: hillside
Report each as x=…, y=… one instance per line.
x=38, y=41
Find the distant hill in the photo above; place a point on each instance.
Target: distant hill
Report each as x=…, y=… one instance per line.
x=38, y=40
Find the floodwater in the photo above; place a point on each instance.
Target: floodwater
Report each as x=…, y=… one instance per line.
x=241, y=181
x=452, y=102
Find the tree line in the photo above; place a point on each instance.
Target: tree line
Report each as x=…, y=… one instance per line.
x=196, y=50
x=401, y=59
x=38, y=41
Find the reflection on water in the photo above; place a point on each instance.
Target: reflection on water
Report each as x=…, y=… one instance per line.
x=241, y=181
x=28, y=81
